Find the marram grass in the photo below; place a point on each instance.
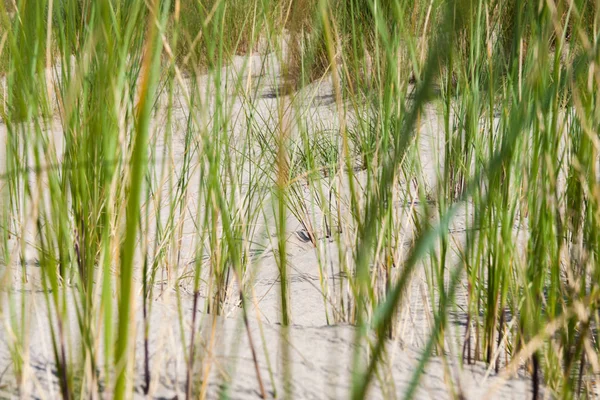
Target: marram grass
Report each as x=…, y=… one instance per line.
x=99, y=195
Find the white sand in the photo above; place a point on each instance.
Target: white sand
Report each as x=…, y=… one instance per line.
x=321, y=354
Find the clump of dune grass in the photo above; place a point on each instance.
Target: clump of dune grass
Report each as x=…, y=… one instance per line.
x=106, y=216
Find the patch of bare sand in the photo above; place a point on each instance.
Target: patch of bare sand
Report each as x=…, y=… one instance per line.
x=320, y=360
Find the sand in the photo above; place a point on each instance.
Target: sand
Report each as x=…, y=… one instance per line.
x=320, y=352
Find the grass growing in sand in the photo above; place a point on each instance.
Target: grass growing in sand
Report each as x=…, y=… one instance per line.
x=131, y=172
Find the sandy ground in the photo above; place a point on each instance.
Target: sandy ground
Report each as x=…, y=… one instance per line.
x=320, y=353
